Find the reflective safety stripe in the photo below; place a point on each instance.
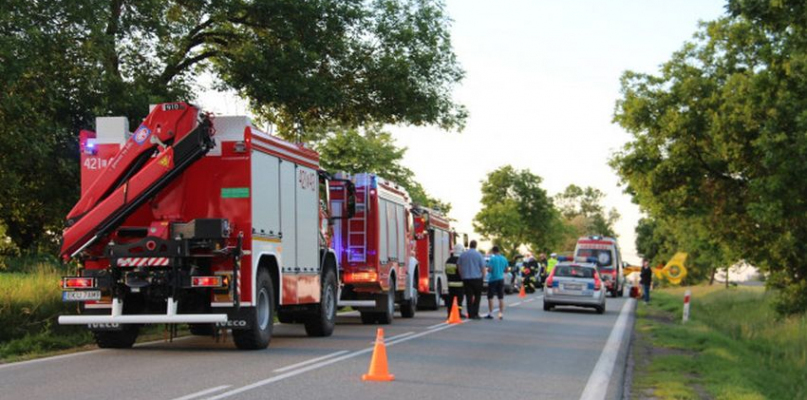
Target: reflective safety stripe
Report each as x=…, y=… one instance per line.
x=455, y=284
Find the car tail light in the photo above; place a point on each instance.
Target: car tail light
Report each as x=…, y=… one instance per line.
x=78, y=283
x=597, y=281
x=207, y=281
x=549, y=279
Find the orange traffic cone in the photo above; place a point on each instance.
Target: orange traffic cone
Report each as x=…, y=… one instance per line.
x=378, y=364
x=522, y=294
x=454, y=317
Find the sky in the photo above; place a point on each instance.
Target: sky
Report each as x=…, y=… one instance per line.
x=542, y=80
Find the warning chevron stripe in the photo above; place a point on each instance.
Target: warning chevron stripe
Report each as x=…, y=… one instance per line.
x=143, y=262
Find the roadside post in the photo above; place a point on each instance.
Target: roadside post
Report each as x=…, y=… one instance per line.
x=687, y=296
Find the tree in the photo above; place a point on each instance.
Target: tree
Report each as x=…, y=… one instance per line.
x=372, y=150
x=516, y=211
x=301, y=64
x=719, y=141
x=584, y=214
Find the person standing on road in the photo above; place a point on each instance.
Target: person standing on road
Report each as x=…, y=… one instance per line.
x=455, y=288
x=646, y=278
x=496, y=266
x=550, y=265
x=472, y=268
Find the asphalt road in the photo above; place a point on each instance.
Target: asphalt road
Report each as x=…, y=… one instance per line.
x=529, y=354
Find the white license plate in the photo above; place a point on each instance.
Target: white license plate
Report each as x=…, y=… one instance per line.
x=81, y=295
x=572, y=287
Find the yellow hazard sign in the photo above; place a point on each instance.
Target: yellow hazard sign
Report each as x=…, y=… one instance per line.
x=675, y=271
x=165, y=161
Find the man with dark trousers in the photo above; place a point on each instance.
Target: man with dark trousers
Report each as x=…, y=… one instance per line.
x=646, y=279
x=455, y=289
x=472, y=270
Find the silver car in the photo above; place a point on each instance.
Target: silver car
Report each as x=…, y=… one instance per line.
x=575, y=284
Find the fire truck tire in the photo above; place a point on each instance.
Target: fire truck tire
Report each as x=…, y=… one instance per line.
x=322, y=323
x=368, y=318
x=201, y=329
x=122, y=339
x=386, y=317
x=408, y=307
x=260, y=319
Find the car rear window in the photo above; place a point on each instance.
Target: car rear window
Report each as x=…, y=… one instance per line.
x=574, y=271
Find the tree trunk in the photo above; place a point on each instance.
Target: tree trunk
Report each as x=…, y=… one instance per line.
x=712, y=277
x=727, y=277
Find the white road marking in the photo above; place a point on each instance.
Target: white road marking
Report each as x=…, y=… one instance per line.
x=318, y=365
x=311, y=361
x=515, y=304
x=437, y=325
x=597, y=385
x=203, y=392
x=391, y=338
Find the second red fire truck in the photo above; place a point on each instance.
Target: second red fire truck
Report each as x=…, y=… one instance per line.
x=378, y=268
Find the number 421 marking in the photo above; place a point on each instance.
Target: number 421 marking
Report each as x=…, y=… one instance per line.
x=95, y=163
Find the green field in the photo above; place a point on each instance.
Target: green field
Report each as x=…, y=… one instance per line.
x=733, y=347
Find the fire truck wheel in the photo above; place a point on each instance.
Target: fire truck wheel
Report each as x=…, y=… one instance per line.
x=368, y=318
x=386, y=317
x=322, y=323
x=201, y=329
x=260, y=318
x=408, y=307
x=122, y=339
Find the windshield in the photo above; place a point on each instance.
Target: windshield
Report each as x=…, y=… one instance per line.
x=574, y=271
x=604, y=257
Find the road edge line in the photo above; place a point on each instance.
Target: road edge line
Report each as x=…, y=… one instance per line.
x=600, y=379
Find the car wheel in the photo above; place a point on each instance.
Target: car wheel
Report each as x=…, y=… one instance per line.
x=547, y=307
x=601, y=309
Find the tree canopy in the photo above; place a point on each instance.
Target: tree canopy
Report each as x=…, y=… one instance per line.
x=584, y=214
x=301, y=65
x=720, y=139
x=516, y=211
x=373, y=150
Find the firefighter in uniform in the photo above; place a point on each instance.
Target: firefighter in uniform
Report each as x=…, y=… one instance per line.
x=455, y=288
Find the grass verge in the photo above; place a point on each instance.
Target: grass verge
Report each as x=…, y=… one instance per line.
x=30, y=302
x=733, y=347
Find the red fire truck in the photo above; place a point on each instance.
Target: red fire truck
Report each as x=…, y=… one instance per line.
x=198, y=220
x=434, y=239
x=375, y=248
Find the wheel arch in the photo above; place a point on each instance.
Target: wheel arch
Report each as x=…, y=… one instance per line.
x=268, y=261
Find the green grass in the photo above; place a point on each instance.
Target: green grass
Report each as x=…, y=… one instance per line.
x=733, y=347
x=29, y=305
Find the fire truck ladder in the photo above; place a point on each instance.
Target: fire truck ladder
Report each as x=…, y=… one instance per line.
x=357, y=226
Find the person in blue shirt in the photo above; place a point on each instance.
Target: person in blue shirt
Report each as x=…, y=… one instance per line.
x=472, y=270
x=496, y=266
